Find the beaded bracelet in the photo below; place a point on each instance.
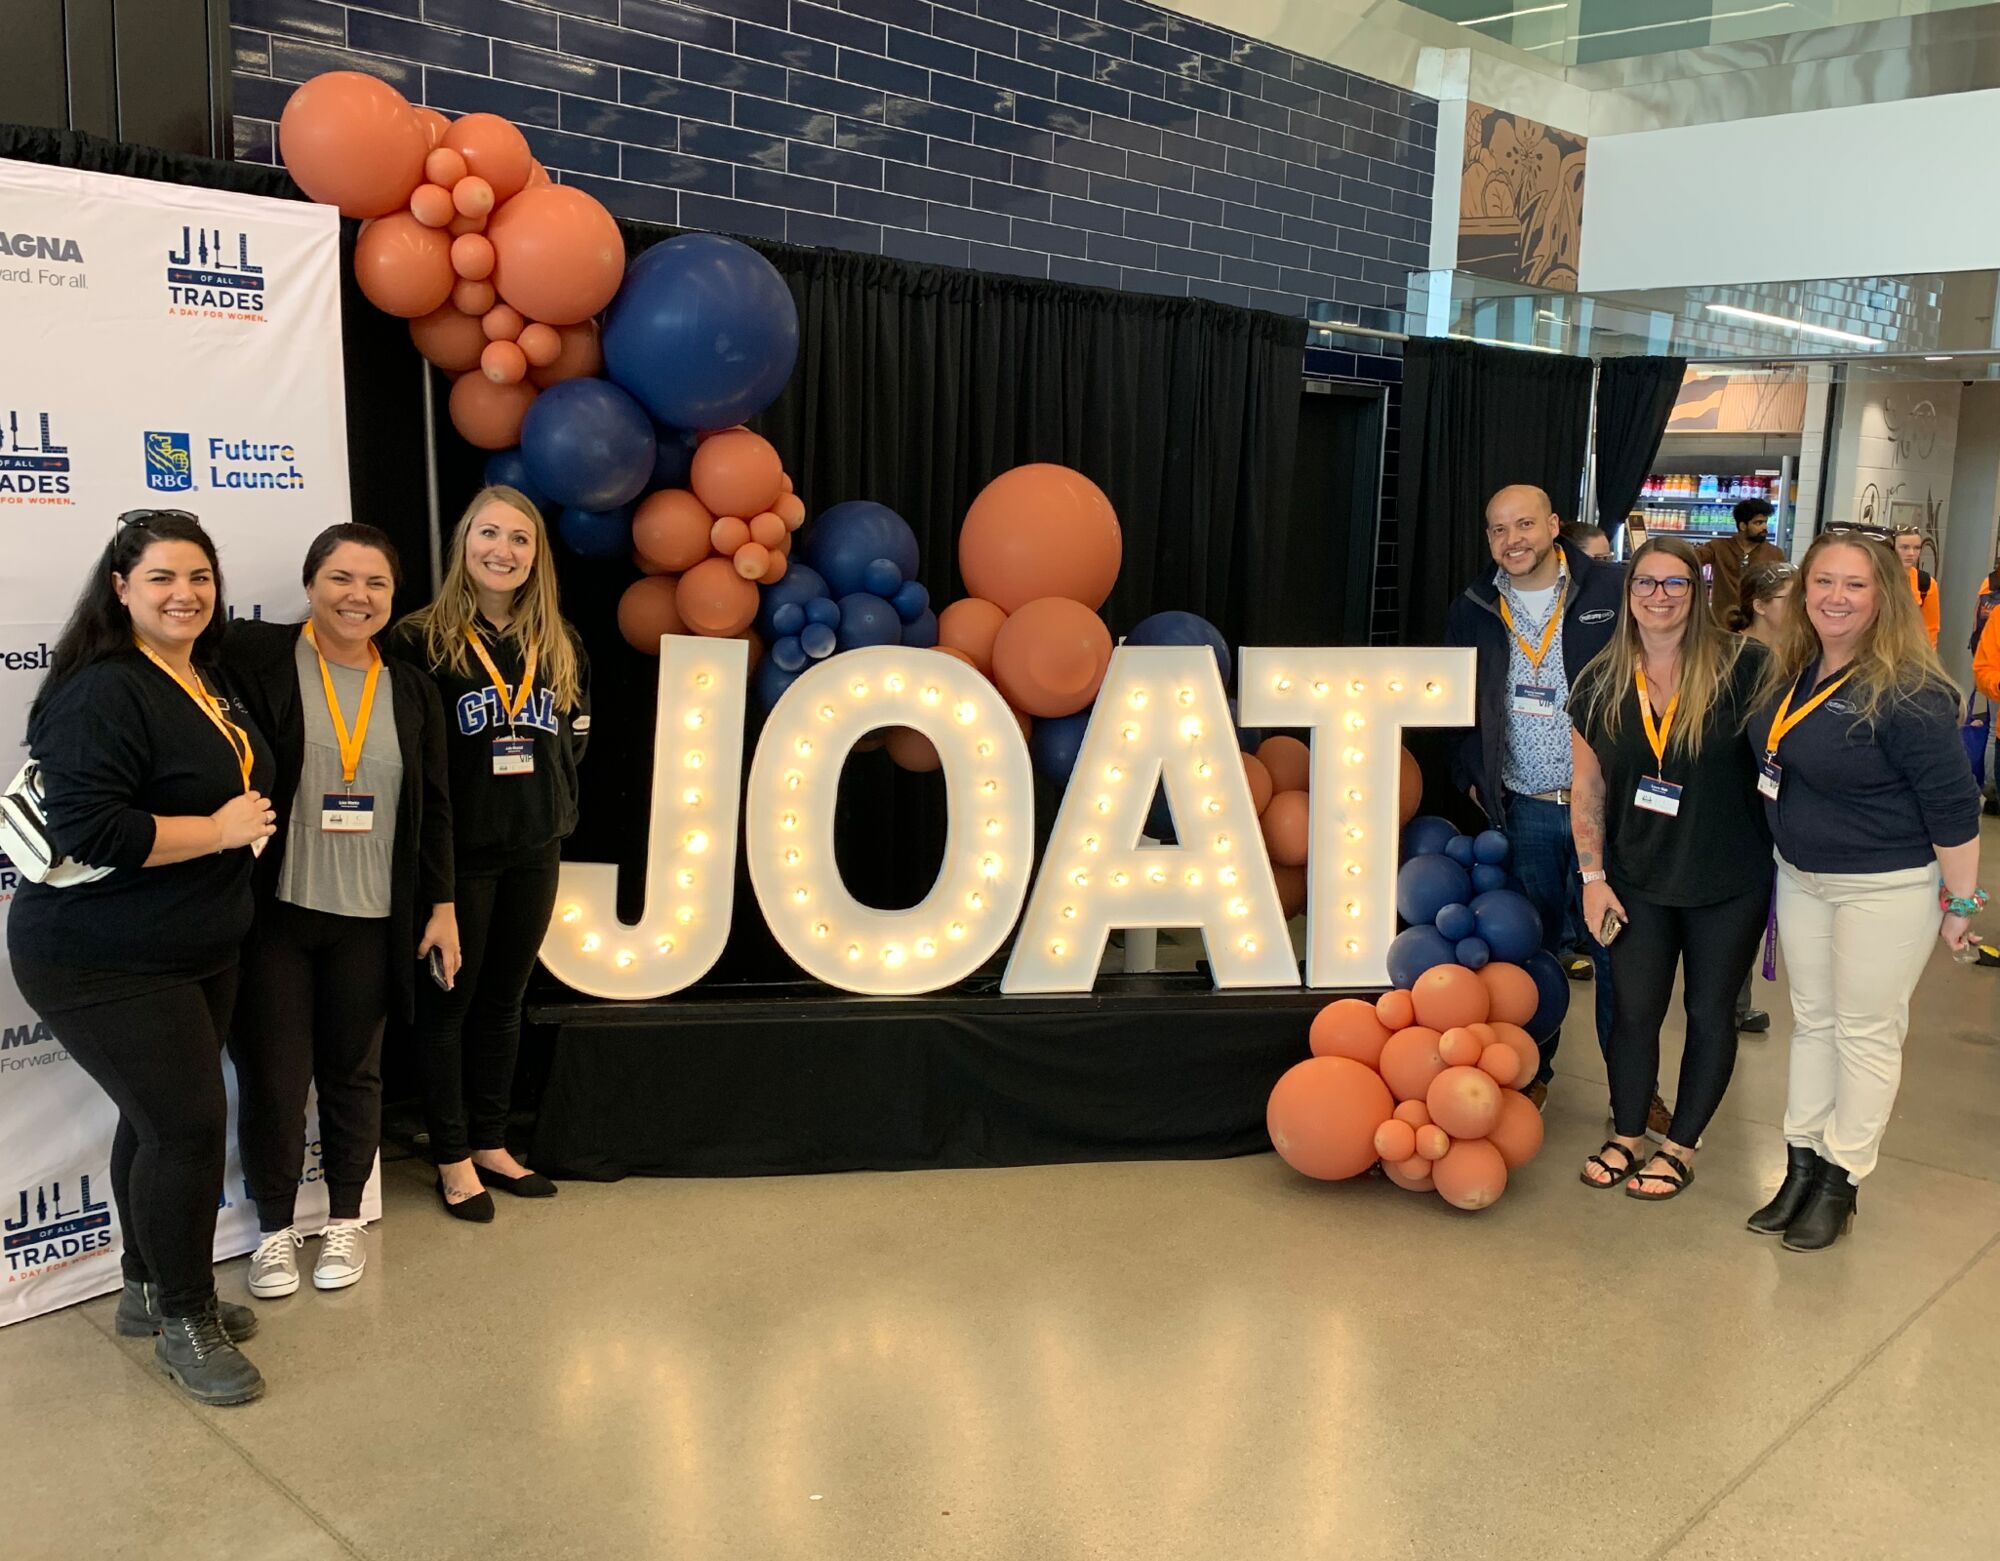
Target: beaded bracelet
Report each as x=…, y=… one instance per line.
x=1951, y=905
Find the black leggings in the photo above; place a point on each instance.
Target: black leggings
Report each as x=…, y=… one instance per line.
x=315, y=994
x=469, y=1036
x=158, y=1055
x=1713, y=946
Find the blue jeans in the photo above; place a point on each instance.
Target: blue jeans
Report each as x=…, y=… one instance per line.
x=1545, y=862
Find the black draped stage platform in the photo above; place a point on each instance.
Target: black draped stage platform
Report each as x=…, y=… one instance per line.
x=771, y=1080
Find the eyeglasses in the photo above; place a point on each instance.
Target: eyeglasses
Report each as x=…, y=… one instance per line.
x=1676, y=586
x=145, y=517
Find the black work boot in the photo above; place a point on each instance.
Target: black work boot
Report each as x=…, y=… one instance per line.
x=1779, y=1213
x=139, y=1314
x=197, y=1354
x=1828, y=1214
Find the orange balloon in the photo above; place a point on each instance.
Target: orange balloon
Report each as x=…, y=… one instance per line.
x=1287, y=825
x=1510, y=993
x=956, y=654
x=1414, y=1112
x=1413, y=1175
x=1524, y=1047
x=404, y=268
x=728, y=534
x=791, y=509
x=751, y=560
x=354, y=142
x=1050, y=656
x=1395, y=1141
x=1396, y=1010
x=1465, y=1102
x=489, y=415
x=1289, y=762
x=581, y=355
x=434, y=123
x=503, y=363
x=431, y=205
x=1261, y=789
x=755, y=641
x=472, y=257
x=537, y=177
x=645, y=565
x=1501, y=1062
x=501, y=323
x=767, y=529
x=1040, y=531
x=473, y=298
x=647, y=610
x=1409, y=789
x=540, y=344
x=715, y=600
x=1291, y=882
x=451, y=340
x=1323, y=1114
x=1449, y=995
x=444, y=167
x=1471, y=1175
x=671, y=529
x=775, y=570
x=1460, y=1048
x=913, y=751
x=494, y=151
x=1433, y=1143
x=561, y=256
x=736, y=473
x=472, y=196
x=1349, y=1028
x=1410, y=1060
x=1518, y=1133
x=462, y=225
x=1484, y=1034
x=969, y=626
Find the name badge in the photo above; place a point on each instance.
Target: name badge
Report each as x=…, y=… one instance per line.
x=1658, y=796
x=1530, y=700
x=513, y=756
x=343, y=813
x=1770, y=774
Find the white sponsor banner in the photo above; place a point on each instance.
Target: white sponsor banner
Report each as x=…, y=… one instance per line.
x=166, y=347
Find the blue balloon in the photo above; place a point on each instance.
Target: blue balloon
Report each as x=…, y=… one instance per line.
x=588, y=445
x=1553, y=987
x=1053, y=745
x=597, y=533
x=789, y=654
x=1509, y=923
x=1486, y=876
x=846, y=541
x=1457, y=922
x=880, y=577
x=770, y=681
x=1491, y=848
x=788, y=618
x=1415, y=950
x=1426, y=884
x=910, y=600
x=921, y=633
x=868, y=620
x=703, y=331
x=1459, y=849
x=1159, y=817
x=823, y=610
x=508, y=469
x=800, y=588
x=1473, y=953
x=1183, y=628
x=673, y=458
x=818, y=641
x=1427, y=835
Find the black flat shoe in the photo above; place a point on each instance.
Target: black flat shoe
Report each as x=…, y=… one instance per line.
x=533, y=1185
x=1753, y=1021
x=478, y=1208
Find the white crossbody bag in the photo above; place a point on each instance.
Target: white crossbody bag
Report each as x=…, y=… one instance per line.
x=25, y=837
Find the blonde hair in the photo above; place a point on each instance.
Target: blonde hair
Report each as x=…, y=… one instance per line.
x=537, y=622
x=1708, y=657
x=1894, y=659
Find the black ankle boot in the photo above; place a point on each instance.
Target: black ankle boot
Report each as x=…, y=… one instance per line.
x=197, y=1354
x=1828, y=1214
x=138, y=1315
x=1784, y=1208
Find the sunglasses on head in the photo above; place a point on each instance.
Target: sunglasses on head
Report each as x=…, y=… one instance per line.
x=145, y=517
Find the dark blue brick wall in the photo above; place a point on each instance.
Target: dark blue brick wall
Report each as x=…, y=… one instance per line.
x=1097, y=141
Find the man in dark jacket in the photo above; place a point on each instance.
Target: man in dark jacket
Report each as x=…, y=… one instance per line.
x=1535, y=618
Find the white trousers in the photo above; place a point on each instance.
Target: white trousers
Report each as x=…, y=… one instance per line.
x=1855, y=945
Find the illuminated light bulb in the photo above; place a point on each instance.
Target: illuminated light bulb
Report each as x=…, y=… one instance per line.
x=1193, y=877
x=623, y=960
x=1353, y=909
x=1204, y=769
x=693, y=761
x=1057, y=947
x=1114, y=773
x=691, y=798
x=1227, y=876
x=990, y=866
x=1356, y=721
x=696, y=841
x=893, y=682
x=955, y=930
x=858, y=689
x=1222, y=842
x=993, y=826
x=1129, y=732
x=1191, y=728
x=1319, y=687
x=569, y=916
x=1156, y=875
x=685, y=915
x=1353, y=947
x=1090, y=842
x=1354, y=869
x=664, y=945
x=591, y=942
x=1433, y=688
x=1354, y=832
x=821, y=929
x=1239, y=907
x=704, y=680
x=800, y=895
x=794, y=781
x=788, y=820
x=1069, y=913
x=1185, y=696
x=1353, y=794
x=976, y=900
x=1213, y=805
x=1120, y=879
x=696, y=720
x=1104, y=804
x=931, y=695
x=926, y=947
x=1248, y=945
x=827, y=712
x=1395, y=685
x=985, y=749
x=1354, y=756
x=1356, y=686
x=892, y=955
x=1138, y=699
x=684, y=878
x=805, y=747
x=987, y=788
x=1281, y=684
x=965, y=712
x=1080, y=878
x=854, y=953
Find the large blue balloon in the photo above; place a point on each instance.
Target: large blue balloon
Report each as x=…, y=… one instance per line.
x=868, y=620
x=507, y=469
x=1509, y=923
x=1053, y=745
x=598, y=534
x=1415, y=950
x=1459, y=849
x=1553, y=988
x=844, y=541
x=588, y=445
x=800, y=587
x=1425, y=885
x=673, y=458
x=1428, y=834
x=1183, y=628
x=1486, y=876
x=703, y=331
x=920, y=633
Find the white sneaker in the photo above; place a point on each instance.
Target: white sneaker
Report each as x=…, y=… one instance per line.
x=343, y=1254
x=274, y=1266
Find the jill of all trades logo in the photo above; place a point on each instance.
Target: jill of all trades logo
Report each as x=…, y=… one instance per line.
x=41, y=260
x=210, y=275
x=243, y=464
x=52, y=1225
x=34, y=463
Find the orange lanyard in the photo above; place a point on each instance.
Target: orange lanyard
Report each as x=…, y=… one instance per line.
x=1656, y=736
x=234, y=735
x=511, y=707
x=1536, y=654
x=350, y=746
x=1784, y=721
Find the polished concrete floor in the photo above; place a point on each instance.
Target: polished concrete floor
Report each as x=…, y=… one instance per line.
x=1202, y=1360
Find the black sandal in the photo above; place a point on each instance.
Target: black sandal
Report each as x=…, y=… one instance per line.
x=1676, y=1184
x=1618, y=1177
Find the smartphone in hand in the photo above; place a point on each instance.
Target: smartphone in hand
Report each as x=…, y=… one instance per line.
x=1612, y=925
x=435, y=959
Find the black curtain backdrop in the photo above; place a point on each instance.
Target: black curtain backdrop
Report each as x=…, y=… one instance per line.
x=1635, y=397
x=1476, y=419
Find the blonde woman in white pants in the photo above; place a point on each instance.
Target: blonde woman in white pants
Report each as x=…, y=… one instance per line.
x=1876, y=819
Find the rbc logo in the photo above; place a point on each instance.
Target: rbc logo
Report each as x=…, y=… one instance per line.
x=52, y=1225
x=169, y=463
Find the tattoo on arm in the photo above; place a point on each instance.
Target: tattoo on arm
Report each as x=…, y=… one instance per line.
x=1587, y=823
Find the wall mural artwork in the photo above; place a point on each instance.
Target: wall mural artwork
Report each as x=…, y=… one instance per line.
x=1520, y=204
x=1773, y=403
